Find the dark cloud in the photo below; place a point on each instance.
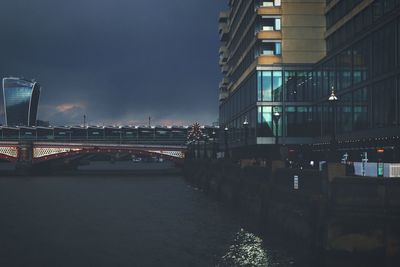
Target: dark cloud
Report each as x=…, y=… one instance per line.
x=119, y=61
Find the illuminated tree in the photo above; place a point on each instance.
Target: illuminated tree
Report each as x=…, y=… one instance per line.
x=194, y=136
x=195, y=133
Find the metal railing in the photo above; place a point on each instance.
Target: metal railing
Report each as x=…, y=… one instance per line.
x=109, y=140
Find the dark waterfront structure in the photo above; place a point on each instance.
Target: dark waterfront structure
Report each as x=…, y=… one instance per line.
x=21, y=99
x=286, y=57
x=350, y=220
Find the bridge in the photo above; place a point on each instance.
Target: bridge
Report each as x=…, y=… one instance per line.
x=38, y=152
x=31, y=146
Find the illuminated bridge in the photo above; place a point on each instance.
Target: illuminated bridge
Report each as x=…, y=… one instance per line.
x=29, y=146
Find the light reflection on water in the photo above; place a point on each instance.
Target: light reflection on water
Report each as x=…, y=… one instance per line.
x=247, y=249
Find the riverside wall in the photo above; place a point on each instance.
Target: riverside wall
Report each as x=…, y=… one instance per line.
x=326, y=210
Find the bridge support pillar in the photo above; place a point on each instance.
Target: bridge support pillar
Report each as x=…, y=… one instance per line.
x=25, y=156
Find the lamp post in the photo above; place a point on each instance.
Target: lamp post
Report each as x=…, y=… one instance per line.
x=333, y=100
x=205, y=137
x=198, y=148
x=246, y=135
x=69, y=135
x=120, y=134
x=246, y=131
x=276, y=116
x=226, y=132
x=214, y=135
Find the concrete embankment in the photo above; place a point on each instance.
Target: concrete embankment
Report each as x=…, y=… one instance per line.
x=328, y=211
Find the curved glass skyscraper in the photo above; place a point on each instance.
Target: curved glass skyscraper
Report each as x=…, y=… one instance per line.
x=21, y=99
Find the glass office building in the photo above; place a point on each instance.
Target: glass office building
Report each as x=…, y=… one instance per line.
x=363, y=64
x=267, y=50
x=286, y=56
x=21, y=99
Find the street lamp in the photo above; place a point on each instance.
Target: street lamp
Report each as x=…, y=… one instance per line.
x=226, y=130
x=276, y=116
x=205, y=137
x=246, y=130
x=214, y=135
x=120, y=134
x=333, y=100
x=198, y=147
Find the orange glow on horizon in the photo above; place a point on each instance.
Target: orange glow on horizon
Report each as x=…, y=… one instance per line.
x=66, y=107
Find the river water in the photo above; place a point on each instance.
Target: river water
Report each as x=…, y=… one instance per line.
x=125, y=220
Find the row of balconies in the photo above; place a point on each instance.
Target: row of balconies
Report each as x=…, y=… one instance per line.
x=264, y=8
x=269, y=33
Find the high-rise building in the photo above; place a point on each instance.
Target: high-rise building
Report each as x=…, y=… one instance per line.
x=267, y=46
x=284, y=58
x=21, y=99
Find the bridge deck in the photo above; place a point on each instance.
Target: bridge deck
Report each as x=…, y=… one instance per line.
x=44, y=151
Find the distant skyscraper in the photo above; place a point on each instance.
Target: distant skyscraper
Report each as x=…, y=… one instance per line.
x=21, y=99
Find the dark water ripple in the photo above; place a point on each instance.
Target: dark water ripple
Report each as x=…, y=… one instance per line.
x=114, y=220
x=119, y=221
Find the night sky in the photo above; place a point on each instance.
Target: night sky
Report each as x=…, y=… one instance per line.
x=117, y=61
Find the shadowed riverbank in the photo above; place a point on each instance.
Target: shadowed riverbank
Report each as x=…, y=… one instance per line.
x=346, y=221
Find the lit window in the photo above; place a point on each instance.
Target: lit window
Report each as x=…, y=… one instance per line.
x=268, y=28
x=270, y=23
x=277, y=24
x=278, y=49
x=267, y=3
x=271, y=48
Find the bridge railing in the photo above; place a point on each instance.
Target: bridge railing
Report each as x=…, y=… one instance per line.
x=102, y=141
x=137, y=135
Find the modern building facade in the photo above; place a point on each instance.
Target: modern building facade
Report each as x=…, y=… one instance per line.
x=267, y=49
x=284, y=57
x=363, y=65
x=21, y=99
